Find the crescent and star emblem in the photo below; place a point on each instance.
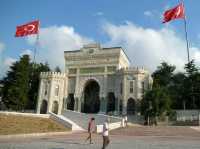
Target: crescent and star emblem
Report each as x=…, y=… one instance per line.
x=29, y=28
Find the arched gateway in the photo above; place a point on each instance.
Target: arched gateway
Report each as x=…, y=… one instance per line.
x=91, y=102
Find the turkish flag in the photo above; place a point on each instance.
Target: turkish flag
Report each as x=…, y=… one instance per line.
x=177, y=12
x=27, y=29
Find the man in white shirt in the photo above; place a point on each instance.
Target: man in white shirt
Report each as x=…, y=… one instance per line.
x=126, y=120
x=105, y=134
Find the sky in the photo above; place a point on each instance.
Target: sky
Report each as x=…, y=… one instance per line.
x=135, y=25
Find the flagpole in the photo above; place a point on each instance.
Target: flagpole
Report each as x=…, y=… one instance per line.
x=36, y=45
x=34, y=60
x=186, y=34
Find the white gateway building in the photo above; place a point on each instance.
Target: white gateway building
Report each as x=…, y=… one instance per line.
x=96, y=80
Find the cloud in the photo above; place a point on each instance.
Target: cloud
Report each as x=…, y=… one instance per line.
x=99, y=13
x=2, y=47
x=148, y=13
x=149, y=47
x=26, y=52
x=54, y=40
x=5, y=64
x=9, y=61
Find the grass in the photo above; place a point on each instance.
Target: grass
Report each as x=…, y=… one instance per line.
x=11, y=124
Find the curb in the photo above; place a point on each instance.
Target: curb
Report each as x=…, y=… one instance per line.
x=35, y=135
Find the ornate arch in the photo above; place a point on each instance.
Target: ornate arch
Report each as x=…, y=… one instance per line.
x=83, y=82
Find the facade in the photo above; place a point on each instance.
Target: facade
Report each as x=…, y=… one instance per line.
x=96, y=80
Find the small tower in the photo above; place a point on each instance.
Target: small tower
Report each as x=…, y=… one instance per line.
x=51, y=92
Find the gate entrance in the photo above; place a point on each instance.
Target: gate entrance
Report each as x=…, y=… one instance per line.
x=91, y=102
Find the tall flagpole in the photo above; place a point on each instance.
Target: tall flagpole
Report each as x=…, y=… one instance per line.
x=36, y=45
x=186, y=34
x=34, y=60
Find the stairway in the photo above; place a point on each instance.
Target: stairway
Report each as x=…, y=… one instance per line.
x=82, y=119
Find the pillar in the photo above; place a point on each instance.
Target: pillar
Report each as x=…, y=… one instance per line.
x=39, y=96
x=124, y=107
x=103, y=105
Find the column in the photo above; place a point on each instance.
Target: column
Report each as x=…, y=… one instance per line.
x=124, y=107
x=77, y=98
x=124, y=98
x=104, y=97
x=103, y=105
x=51, y=96
x=39, y=97
x=79, y=104
x=116, y=106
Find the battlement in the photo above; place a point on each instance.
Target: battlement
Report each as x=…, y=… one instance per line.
x=52, y=75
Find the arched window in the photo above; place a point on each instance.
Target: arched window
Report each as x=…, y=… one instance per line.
x=57, y=90
x=46, y=88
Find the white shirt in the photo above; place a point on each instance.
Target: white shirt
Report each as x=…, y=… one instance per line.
x=126, y=119
x=105, y=129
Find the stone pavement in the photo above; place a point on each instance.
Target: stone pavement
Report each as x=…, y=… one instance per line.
x=128, y=138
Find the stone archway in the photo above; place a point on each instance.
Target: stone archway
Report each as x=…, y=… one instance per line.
x=131, y=106
x=91, y=101
x=43, y=107
x=55, y=107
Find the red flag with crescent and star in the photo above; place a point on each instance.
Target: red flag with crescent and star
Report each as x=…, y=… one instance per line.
x=177, y=12
x=27, y=29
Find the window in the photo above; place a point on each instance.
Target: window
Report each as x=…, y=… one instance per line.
x=56, y=90
x=112, y=68
x=91, y=51
x=142, y=87
x=131, y=86
x=72, y=71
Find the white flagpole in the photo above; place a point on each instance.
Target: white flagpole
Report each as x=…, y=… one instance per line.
x=36, y=45
x=186, y=34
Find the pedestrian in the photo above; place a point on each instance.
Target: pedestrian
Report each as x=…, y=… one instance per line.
x=105, y=134
x=126, y=120
x=123, y=121
x=91, y=129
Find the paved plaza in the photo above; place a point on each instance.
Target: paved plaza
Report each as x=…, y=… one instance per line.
x=128, y=138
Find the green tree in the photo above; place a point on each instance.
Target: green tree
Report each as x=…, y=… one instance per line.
x=156, y=103
x=16, y=84
x=34, y=83
x=177, y=91
x=57, y=69
x=20, y=86
x=192, y=86
x=162, y=75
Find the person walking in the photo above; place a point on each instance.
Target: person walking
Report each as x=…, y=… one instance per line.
x=91, y=129
x=105, y=134
x=126, y=120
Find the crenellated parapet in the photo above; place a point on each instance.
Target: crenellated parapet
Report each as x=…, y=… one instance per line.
x=52, y=75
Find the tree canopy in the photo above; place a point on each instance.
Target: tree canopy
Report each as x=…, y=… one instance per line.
x=172, y=90
x=20, y=86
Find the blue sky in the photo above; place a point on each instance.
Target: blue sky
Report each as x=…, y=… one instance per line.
x=71, y=23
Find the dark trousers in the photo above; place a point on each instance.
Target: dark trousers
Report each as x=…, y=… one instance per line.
x=106, y=141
